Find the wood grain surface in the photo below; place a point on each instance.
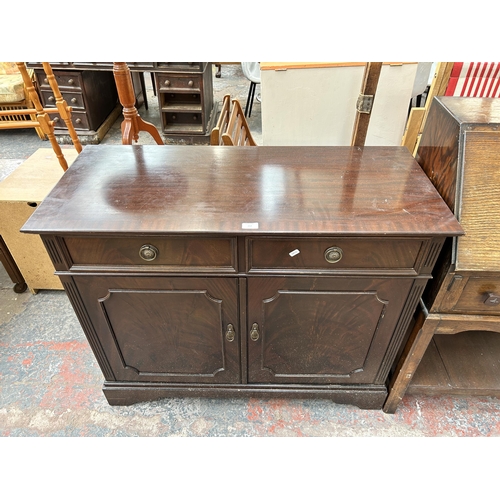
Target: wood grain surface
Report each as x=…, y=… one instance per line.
x=479, y=248
x=181, y=189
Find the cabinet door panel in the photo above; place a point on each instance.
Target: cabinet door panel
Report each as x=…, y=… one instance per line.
x=322, y=330
x=165, y=329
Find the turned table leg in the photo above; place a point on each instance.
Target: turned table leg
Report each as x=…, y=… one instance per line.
x=10, y=265
x=132, y=123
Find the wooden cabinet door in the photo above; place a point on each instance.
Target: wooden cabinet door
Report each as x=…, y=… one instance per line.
x=165, y=329
x=321, y=330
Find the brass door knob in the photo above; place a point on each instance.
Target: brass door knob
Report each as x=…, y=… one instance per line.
x=230, y=333
x=333, y=254
x=254, y=332
x=148, y=252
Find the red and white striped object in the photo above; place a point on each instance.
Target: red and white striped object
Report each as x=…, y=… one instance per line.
x=474, y=80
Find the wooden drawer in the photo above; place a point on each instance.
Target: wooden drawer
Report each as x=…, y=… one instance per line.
x=180, y=122
x=185, y=254
x=475, y=296
x=80, y=121
x=65, y=80
x=181, y=66
x=180, y=102
x=73, y=99
x=184, y=83
x=332, y=254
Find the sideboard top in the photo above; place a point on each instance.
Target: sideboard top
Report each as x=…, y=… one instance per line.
x=244, y=190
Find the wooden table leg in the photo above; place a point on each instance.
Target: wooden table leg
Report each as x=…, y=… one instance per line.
x=420, y=337
x=10, y=265
x=132, y=123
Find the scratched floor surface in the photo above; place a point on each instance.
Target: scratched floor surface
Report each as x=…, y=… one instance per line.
x=50, y=385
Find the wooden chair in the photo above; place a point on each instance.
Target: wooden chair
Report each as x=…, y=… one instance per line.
x=42, y=114
x=237, y=132
x=14, y=97
x=222, y=122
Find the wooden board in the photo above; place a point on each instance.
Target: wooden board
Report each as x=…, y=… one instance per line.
x=410, y=137
x=479, y=212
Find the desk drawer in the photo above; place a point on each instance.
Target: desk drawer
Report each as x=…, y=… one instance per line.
x=73, y=99
x=332, y=254
x=178, y=82
x=65, y=80
x=480, y=295
x=79, y=119
x=184, y=254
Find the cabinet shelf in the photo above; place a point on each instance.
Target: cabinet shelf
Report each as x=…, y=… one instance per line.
x=182, y=128
x=446, y=367
x=181, y=108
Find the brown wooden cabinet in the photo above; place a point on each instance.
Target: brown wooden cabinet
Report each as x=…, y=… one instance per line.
x=185, y=99
x=218, y=271
x=92, y=96
x=460, y=310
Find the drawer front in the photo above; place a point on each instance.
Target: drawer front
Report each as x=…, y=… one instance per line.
x=332, y=254
x=178, y=82
x=182, y=66
x=65, y=80
x=79, y=119
x=480, y=295
x=73, y=99
x=183, y=254
x=180, y=102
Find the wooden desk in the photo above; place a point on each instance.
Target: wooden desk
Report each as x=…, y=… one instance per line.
x=244, y=271
x=460, y=313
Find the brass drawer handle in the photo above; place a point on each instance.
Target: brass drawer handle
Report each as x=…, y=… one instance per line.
x=71, y=81
x=167, y=83
x=190, y=83
x=51, y=98
x=148, y=252
x=230, y=333
x=254, y=332
x=493, y=299
x=333, y=254
x=73, y=100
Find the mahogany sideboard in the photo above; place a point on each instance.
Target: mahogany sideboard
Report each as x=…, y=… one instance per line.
x=454, y=347
x=269, y=271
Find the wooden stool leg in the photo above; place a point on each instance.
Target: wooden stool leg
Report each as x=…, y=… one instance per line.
x=42, y=116
x=417, y=344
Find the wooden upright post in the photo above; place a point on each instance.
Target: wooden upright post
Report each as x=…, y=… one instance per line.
x=365, y=103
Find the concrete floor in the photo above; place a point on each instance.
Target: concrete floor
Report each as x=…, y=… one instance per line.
x=50, y=384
